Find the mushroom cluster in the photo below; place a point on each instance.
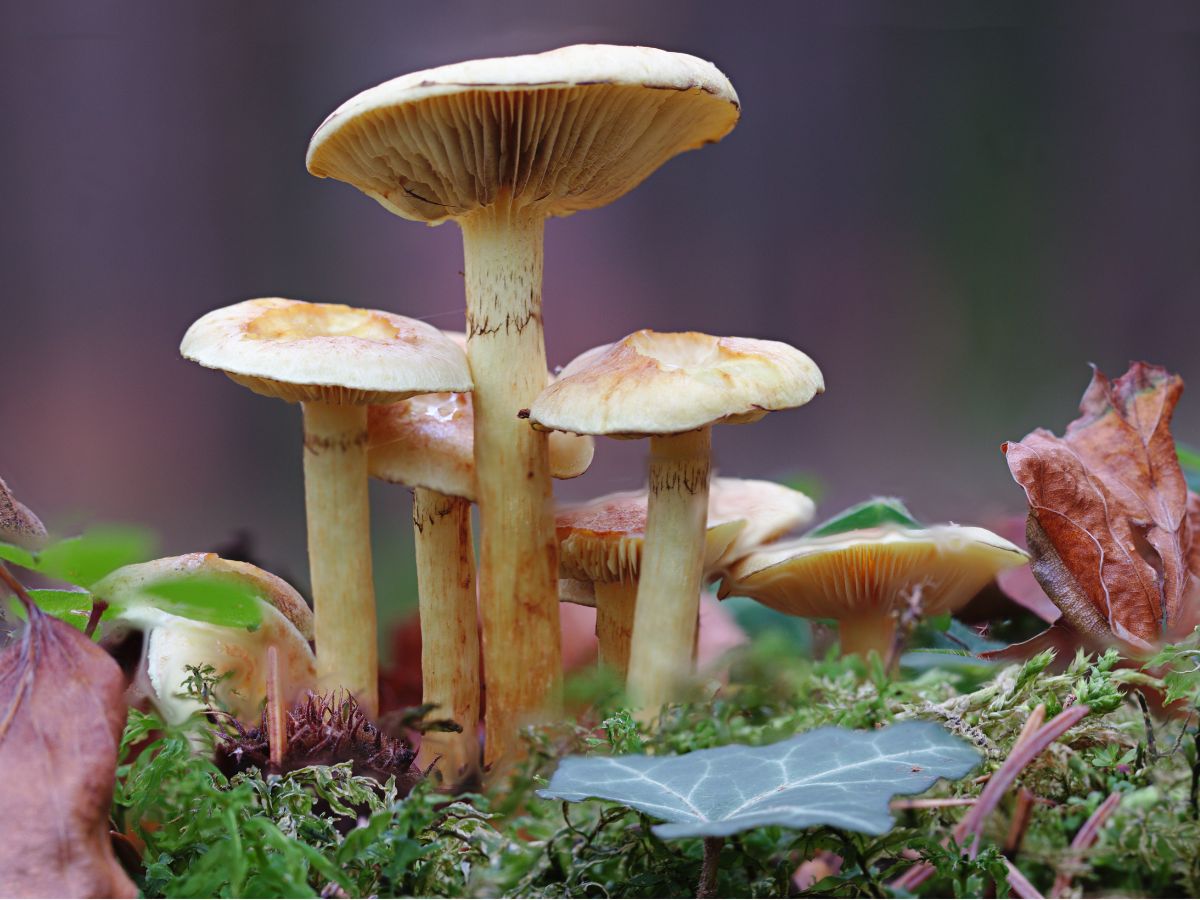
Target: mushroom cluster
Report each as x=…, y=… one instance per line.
x=498, y=146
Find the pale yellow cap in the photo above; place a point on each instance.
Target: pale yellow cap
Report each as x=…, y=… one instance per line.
x=326, y=352
x=569, y=129
x=653, y=383
x=173, y=643
x=873, y=570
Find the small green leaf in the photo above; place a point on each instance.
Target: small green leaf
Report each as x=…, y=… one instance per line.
x=871, y=514
x=830, y=776
x=73, y=607
x=86, y=559
x=218, y=601
x=18, y=556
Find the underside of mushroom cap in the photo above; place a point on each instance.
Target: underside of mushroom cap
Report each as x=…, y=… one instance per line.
x=560, y=131
x=602, y=540
x=658, y=383
x=428, y=441
x=873, y=571
x=18, y=523
x=326, y=352
x=129, y=582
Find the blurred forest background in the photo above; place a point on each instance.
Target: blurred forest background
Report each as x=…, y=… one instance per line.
x=953, y=207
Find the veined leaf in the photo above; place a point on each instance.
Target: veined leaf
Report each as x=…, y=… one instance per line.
x=217, y=601
x=72, y=607
x=830, y=776
x=870, y=514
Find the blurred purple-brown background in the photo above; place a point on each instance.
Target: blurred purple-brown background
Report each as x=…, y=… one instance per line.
x=952, y=207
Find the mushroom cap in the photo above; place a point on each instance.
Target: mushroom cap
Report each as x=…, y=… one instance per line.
x=603, y=540
x=657, y=383
x=569, y=129
x=873, y=570
x=18, y=523
x=326, y=352
x=173, y=643
x=769, y=509
x=428, y=441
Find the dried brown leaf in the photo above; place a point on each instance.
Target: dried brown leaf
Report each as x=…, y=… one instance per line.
x=61, y=716
x=1108, y=512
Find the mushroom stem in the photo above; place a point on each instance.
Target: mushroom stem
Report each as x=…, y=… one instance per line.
x=867, y=631
x=518, y=564
x=339, y=550
x=668, y=599
x=615, y=605
x=449, y=629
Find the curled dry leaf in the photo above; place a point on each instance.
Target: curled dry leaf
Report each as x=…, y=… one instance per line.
x=61, y=716
x=1109, y=527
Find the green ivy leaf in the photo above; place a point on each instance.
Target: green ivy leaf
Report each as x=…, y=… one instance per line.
x=18, y=556
x=870, y=514
x=217, y=601
x=830, y=776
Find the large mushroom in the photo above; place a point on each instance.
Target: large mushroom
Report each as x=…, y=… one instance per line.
x=426, y=443
x=335, y=361
x=864, y=568
x=239, y=656
x=498, y=146
x=600, y=545
x=672, y=388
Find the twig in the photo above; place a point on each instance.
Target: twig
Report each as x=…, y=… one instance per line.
x=1020, y=822
x=98, y=609
x=1022, y=886
x=1151, y=744
x=17, y=588
x=933, y=802
x=1084, y=838
x=708, y=868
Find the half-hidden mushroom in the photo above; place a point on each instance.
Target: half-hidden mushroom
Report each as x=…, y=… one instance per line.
x=239, y=655
x=865, y=576
x=600, y=545
x=335, y=361
x=672, y=388
x=18, y=523
x=500, y=145
x=426, y=443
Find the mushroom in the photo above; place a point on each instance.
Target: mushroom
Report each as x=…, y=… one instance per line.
x=426, y=443
x=18, y=523
x=334, y=360
x=600, y=548
x=172, y=643
x=672, y=388
x=499, y=145
x=864, y=577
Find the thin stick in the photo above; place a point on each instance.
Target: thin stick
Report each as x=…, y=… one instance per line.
x=1020, y=822
x=934, y=803
x=276, y=714
x=1022, y=886
x=17, y=588
x=1084, y=838
x=98, y=608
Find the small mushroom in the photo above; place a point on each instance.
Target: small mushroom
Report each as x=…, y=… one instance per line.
x=864, y=577
x=18, y=523
x=426, y=443
x=172, y=643
x=600, y=547
x=498, y=146
x=672, y=388
x=334, y=360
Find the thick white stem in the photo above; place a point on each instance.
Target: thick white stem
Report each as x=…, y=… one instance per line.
x=615, y=605
x=518, y=568
x=449, y=629
x=668, y=599
x=339, y=550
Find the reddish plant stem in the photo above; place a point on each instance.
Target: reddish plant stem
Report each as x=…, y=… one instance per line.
x=1021, y=886
x=1084, y=838
x=708, y=868
x=98, y=609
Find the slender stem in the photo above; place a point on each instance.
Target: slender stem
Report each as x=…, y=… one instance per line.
x=615, y=605
x=668, y=599
x=867, y=631
x=276, y=712
x=518, y=596
x=709, y=867
x=99, y=607
x=449, y=629
x=339, y=550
